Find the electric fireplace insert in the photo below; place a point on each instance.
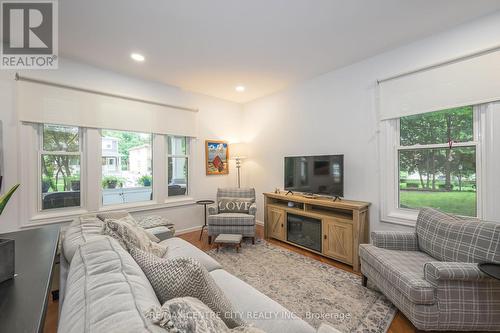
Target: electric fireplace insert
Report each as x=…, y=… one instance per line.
x=304, y=231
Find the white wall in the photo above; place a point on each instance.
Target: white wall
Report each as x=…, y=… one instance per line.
x=336, y=114
x=218, y=119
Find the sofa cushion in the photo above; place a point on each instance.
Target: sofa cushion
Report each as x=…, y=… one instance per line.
x=231, y=219
x=178, y=247
x=185, y=277
x=129, y=235
x=450, y=238
x=106, y=292
x=80, y=231
x=256, y=308
x=404, y=270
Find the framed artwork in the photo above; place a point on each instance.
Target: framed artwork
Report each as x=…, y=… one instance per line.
x=217, y=157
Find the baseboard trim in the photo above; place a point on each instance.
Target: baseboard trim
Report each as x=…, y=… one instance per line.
x=187, y=230
x=198, y=228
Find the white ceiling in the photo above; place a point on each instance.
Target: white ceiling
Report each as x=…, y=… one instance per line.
x=210, y=46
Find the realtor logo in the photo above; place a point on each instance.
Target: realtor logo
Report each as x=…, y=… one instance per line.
x=29, y=35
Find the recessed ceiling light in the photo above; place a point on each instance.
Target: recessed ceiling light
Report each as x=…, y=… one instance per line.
x=137, y=57
x=240, y=88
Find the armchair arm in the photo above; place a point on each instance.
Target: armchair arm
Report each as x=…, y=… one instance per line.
x=253, y=209
x=453, y=271
x=395, y=240
x=213, y=210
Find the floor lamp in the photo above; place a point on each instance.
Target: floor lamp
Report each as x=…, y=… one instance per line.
x=238, y=152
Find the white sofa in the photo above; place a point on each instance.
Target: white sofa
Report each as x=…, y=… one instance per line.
x=104, y=290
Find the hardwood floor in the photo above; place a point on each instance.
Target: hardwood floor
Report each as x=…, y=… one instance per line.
x=400, y=324
x=51, y=317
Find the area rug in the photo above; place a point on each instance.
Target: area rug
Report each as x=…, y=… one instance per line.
x=314, y=291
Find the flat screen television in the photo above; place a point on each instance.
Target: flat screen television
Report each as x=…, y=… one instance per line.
x=322, y=175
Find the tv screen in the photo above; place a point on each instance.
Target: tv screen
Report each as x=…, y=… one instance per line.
x=315, y=174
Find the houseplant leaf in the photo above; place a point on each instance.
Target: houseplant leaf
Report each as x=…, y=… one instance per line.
x=5, y=198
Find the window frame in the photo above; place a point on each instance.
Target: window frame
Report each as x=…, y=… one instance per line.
x=390, y=144
x=187, y=156
x=79, y=153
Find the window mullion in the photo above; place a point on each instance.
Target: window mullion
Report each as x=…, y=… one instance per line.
x=438, y=145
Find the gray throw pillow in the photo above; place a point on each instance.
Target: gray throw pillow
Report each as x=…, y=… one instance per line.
x=185, y=277
x=131, y=236
x=234, y=205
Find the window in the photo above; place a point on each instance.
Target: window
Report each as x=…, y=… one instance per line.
x=178, y=165
x=437, y=161
x=60, y=173
x=127, y=173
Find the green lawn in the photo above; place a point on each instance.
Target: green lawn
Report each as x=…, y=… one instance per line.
x=460, y=203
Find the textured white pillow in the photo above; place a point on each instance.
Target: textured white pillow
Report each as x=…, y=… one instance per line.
x=131, y=236
x=130, y=220
x=186, y=314
x=113, y=215
x=189, y=314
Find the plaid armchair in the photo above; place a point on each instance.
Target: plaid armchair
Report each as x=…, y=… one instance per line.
x=242, y=223
x=431, y=274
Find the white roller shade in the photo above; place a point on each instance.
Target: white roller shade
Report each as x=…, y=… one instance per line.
x=40, y=103
x=470, y=81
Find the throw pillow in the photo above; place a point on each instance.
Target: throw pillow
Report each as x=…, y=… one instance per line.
x=190, y=315
x=130, y=220
x=185, y=277
x=130, y=236
x=186, y=314
x=234, y=205
x=152, y=221
x=113, y=215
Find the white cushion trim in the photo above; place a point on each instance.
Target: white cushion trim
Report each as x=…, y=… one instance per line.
x=129, y=286
x=85, y=292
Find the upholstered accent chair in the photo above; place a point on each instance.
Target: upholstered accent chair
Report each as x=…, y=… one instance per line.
x=222, y=220
x=432, y=275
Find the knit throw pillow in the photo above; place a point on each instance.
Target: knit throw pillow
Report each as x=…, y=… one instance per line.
x=113, y=215
x=152, y=221
x=130, y=236
x=186, y=314
x=130, y=220
x=234, y=205
x=185, y=277
x=190, y=315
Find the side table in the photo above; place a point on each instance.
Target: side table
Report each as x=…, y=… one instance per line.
x=205, y=203
x=23, y=299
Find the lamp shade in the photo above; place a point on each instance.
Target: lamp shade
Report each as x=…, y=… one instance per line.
x=238, y=151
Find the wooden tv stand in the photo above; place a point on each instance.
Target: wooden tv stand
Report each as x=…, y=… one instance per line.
x=344, y=223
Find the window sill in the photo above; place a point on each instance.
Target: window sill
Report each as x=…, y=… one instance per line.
x=44, y=218
x=407, y=218
x=54, y=217
x=142, y=206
